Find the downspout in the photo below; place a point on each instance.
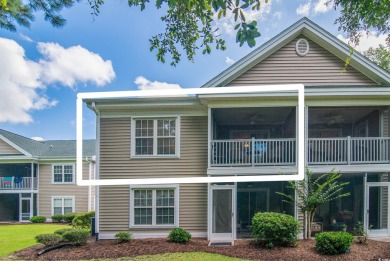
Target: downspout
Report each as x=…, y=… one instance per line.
x=97, y=164
x=89, y=187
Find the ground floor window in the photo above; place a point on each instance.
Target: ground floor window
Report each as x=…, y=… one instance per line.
x=63, y=205
x=154, y=206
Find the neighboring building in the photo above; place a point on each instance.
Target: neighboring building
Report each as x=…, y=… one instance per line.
x=38, y=177
x=346, y=128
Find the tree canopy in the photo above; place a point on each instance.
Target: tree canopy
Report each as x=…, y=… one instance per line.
x=190, y=24
x=380, y=56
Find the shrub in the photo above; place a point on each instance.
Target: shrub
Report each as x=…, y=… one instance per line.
x=68, y=217
x=38, y=219
x=123, y=237
x=333, y=243
x=76, y=236
x=48, y=239
x=271, y=229
x=57, y=218
x=62, y=231
x=360, y=233
x=83, y=220
x=179, y=235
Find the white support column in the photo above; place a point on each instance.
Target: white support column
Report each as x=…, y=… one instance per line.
x=209, y=127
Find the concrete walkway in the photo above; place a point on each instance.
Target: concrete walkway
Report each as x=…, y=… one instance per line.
x=382, y=239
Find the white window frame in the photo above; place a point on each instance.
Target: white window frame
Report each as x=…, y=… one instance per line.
x=63, y=197
x=175, y=187
x=155, y=155
x=63, y=175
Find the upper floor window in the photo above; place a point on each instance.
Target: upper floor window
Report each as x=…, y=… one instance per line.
x=63, y=173
x=155, y=137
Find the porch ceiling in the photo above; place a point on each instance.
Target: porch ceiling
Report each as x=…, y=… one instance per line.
x=338, y=115
x=251, y=116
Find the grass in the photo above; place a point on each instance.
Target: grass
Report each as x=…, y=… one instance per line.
x=193, y=256
x=16, y=237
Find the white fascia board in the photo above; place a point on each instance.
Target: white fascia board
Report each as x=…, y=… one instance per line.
x=15, y=146
x=299, y=88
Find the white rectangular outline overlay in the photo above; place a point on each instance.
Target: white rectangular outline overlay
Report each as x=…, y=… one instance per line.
x=191, y=91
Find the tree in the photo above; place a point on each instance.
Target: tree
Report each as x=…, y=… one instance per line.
x=314, y=192
x=189, y=23
x=380, y=56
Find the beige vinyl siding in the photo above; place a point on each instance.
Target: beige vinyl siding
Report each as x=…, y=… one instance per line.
x=47, y=190
x=7, y=149
x=115, y=162
x=318, y=67
x=385, y=123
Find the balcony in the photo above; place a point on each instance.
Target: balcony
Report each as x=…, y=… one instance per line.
x=18, y=183
x=253, y=152
x=282, y=152
x=349, y=150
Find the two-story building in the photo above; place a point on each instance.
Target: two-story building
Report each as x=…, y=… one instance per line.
x=38, y=177
x=224, y=134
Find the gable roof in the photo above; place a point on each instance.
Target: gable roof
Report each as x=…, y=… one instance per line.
x=47, y=148
x=317, y=34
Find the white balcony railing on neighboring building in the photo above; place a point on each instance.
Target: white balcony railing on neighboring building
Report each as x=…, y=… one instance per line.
x=348, y=150
x=18, y=183
x=252, y=152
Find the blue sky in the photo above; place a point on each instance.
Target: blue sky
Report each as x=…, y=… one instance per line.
x=43, y=68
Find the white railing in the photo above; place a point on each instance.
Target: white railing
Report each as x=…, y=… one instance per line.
x=252, y=152
x=348, y=150
x=17, y=183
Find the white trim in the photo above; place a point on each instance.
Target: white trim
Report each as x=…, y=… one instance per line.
x=140, y=235
x=155, y=137
x=176, y=189
x=63, y=173
x=63, y=197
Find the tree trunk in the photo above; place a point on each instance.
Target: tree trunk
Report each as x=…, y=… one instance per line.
x=305, y=225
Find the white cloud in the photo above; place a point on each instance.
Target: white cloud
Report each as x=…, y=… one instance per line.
x=373, y=39
x=229, y=61
x=323, y=6
x=144, y=84
x=38, y=138
x=23, y=82
x=26, y=38
x=304, y=9
x=20, y=86
x=226, y=24
x=278, y=15
x=73, y=64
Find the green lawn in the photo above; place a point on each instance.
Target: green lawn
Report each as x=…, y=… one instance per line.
x=193, y=256
x=17, y=237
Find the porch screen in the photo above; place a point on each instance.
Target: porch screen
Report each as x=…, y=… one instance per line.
x=222, y=211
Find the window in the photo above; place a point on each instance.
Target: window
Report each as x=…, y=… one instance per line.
x=63, y=205
x=155, y=137
x=154, y=206
x=63, y=173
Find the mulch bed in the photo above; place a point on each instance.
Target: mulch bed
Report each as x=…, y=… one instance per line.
x=245, y=249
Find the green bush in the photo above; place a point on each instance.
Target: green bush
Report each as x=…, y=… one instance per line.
x=333, y=243
x=271, y=229
x=83, y=220
x=57, y=218
x=62, y=231
x=76, y=236
x=38, y=219
x=48, y=239
x=179, y=235
x=68, y=217
x=123, y=237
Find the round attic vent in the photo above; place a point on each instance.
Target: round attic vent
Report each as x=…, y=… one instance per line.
x=302, y=47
